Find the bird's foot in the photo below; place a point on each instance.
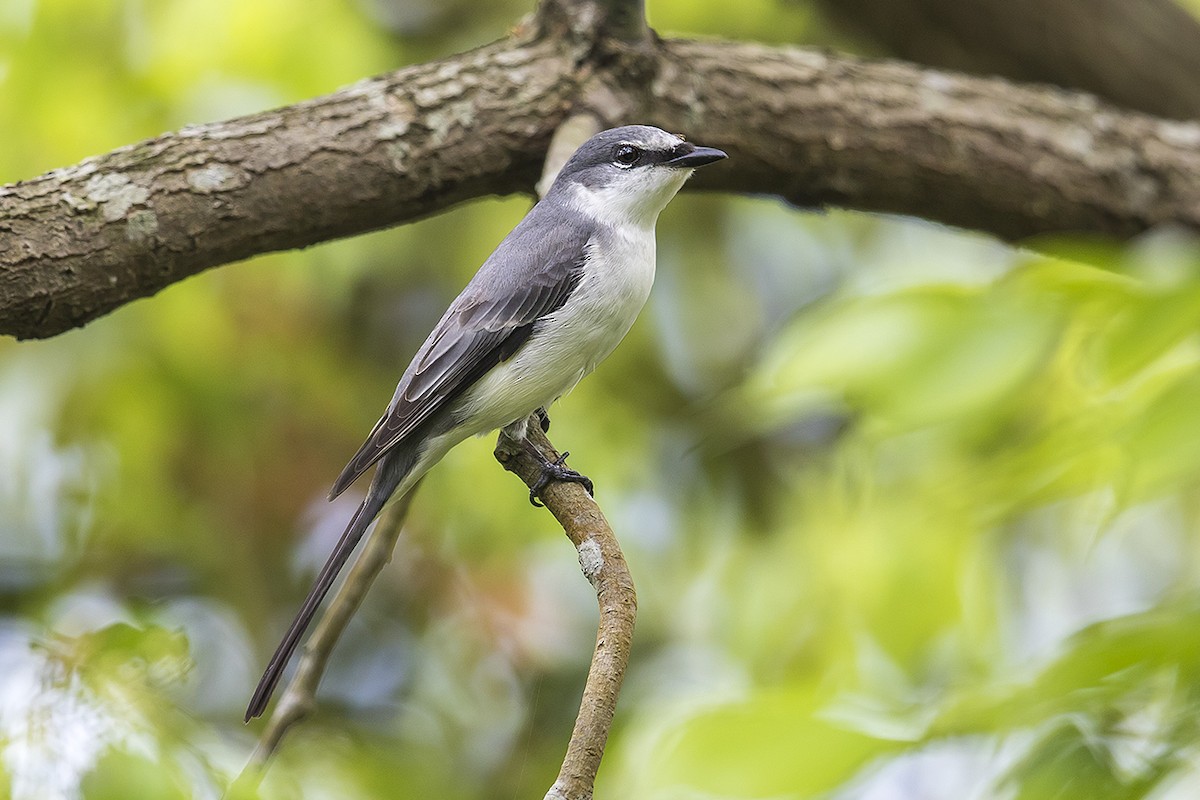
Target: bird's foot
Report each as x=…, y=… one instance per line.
x=556, y=470
x=543, y=419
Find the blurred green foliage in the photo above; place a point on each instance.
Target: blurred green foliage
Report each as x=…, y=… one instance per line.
x=912, y=514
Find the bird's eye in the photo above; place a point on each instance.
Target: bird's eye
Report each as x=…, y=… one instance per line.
x=626, y=155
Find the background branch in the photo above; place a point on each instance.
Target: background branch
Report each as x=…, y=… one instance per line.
x=813, y=128
x=298, y=699
x=604, y=566
x=1015, y=161
x=1143, y=55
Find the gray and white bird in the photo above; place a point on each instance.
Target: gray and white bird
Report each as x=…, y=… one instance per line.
x=552, y=301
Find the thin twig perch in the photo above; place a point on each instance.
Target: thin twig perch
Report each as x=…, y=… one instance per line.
x=600, y=554
x=604, y=566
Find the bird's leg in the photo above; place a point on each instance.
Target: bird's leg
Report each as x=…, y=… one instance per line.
x=555, y=470
x=543, y=419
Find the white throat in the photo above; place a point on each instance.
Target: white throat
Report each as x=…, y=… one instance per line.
x=635, y=200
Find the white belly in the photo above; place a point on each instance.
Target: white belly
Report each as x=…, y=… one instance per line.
x=570, y=342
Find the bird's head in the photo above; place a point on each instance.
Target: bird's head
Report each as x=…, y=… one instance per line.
x=628, y=175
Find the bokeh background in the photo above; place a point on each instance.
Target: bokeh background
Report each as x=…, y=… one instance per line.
x=912, y=513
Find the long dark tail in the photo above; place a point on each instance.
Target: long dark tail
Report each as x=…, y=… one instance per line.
x=376, y=498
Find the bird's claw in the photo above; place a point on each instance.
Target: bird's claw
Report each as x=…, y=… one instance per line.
x=556, y=470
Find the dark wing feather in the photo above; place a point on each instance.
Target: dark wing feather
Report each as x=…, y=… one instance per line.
x=485, y=325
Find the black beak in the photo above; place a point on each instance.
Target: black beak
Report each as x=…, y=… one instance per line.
x=689, y=156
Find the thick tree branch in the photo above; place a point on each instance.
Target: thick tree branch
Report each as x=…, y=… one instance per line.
x=814, y=128
x=1143, y=55
x=76, y=243
x=1011, y=160
x=604, y=566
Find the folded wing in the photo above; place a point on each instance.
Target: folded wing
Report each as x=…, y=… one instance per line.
x=484, y=326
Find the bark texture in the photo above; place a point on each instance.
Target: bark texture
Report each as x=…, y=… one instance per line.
x=78, y=242
x=1141, y=54
x=814, y=128
x=986, y=154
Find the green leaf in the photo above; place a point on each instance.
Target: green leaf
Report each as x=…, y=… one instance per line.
x=775, y=744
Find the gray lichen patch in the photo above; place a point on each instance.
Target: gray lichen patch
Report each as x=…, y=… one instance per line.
x=214, y=177
x=75, y=171
x=936, y=91
x=1180, y=134
x=392, y=128
x=77, y=204
x=591, y=560
x=115, y=193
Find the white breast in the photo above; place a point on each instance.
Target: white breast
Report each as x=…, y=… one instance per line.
x=569, y=343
